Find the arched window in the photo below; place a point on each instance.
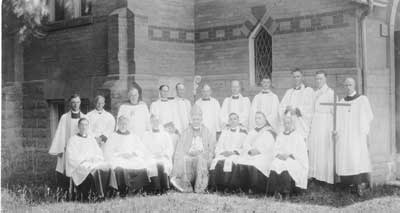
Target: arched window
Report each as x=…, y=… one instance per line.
x=260, y=53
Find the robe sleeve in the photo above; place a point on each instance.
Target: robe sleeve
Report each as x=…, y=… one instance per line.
x=224, y=114
x=366, y=115
x=300, y=153
x=147, y=117
x=273, y=118
x=253, y=111
x=110, y=125
x=219, y=148
x=246, y=144
x=284, y=103
x=244, y=117
x=217, y=109
x=74, y=156
x=121, y=111
x=308, y=105
x=58, y=143
x=264, y=147
x=169, y=146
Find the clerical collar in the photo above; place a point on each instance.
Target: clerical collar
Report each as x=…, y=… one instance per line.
x=82, y=136
x=265, y=92
x=196, y=129
x=258, y=129
x=75, y=115
x=164, y=100
x=351, y=97
x=323, y=88
x=299, y=87
x=288, y=132
x=100, y=111
x=233, y=130
x=155, y=130
x=206, y=99
x=123, y=133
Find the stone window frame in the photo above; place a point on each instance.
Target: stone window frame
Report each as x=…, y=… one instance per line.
x=77, y=13
x=252, y=36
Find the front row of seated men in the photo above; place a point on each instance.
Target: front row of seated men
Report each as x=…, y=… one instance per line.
x=257, y=162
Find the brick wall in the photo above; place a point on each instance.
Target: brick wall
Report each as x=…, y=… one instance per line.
x=309, y=35
x=164, y=44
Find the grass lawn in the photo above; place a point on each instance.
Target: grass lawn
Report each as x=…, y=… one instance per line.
x=316, y=199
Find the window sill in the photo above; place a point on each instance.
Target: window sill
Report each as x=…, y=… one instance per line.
x=65, y=24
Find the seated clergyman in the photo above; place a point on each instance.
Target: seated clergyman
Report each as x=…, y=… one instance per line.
x=228, y=147
x=194, y=152
x=129, y=158
x=289, y=168
x=251, y=168
x=158, y=142
x=86, y=165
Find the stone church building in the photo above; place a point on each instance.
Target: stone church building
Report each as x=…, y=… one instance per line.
x=104, y=47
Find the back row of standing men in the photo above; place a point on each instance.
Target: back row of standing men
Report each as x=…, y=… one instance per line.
x=312, y=120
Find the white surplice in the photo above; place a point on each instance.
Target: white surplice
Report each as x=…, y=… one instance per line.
x=230, y=140
x=353, y=123
x=83, y=157
x=161, y=148
x=138, y=115
x=292, y=144
x=303, y=99
x=267, y=103
x=164, y=110
x=66, y=128
x=240, y=106
x=264, y=142
x=320, y=144
x=182, y=113
x=211, y=114
x=101, y=123
x=126, y=151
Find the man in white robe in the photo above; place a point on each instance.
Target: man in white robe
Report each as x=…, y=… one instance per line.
x=102, y=123
x=129, y=158
x=86, y=164
x=193, y=155
x=301, y=99
x=211, y=110
x=267, y=102
x=320, y=143
x=159, y=144
x=289, y=169
x=236, y=103
x=252, y=167
x=227, y=149
x=67, y=127
x=164, y=108
x=353, y=163
x=137, y=113
x=182, y=107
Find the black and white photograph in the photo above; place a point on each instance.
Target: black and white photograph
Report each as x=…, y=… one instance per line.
x=200, y=106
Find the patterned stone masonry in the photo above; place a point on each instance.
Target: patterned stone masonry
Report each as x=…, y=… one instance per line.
x=307, y=23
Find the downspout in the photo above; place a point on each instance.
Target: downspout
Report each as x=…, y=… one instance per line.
x=363, y=35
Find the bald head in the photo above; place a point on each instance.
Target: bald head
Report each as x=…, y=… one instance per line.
x=235, y=87
x=350, y=85
x=206, y=91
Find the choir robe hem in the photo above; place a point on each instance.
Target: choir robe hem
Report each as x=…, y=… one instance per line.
x=355, y=179
x=247, y=177
x=131, y=180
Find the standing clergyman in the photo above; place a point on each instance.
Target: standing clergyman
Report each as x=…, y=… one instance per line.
x=182, y=106
x=102, y=123
x=299, y=99
x=67, y=127
x=238, y=104
x=353, y=162
x=320, y=143
x=210, y=109
x=267, y=102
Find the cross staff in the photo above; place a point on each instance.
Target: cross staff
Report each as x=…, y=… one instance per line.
x=335, y=104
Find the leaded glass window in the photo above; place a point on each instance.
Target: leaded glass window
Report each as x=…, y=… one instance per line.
x=262, y=55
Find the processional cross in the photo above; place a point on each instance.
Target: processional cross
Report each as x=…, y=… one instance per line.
x=335, y=105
